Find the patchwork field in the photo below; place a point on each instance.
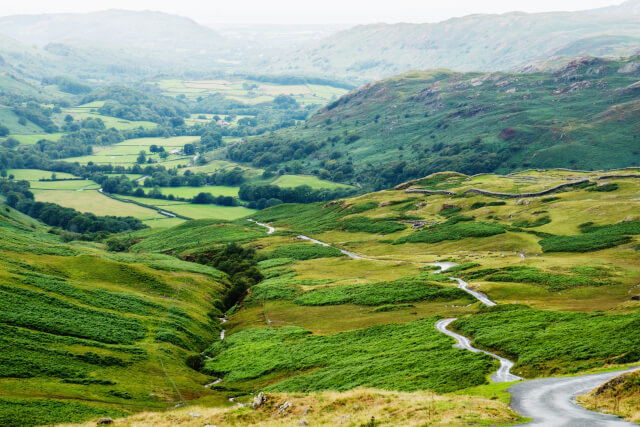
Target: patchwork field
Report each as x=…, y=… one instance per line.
x=94, y=202
x=34, y=138
x=126, y=152
x=86, y=112
x=248, y=91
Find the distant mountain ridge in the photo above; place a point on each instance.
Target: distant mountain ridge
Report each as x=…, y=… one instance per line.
x=471, y=43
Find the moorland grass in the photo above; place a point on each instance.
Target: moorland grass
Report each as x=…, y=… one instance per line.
x=409, y=289
x=409, y=356
x=593, y=238
x=543, y=342
x=526, y=274
x=304, y=251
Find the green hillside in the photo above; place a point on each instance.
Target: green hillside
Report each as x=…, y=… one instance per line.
x=583, y=116
x=88, y=333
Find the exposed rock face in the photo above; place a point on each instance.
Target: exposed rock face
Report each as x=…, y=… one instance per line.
x=635, y=298
x=105, y=421
x=631, y=67
x=258, y=400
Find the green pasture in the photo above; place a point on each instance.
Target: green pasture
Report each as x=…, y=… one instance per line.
x=34, y=138
x=310, y=180
x=36, y=174
x=94, y=202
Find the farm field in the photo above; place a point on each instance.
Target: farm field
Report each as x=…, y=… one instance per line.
x=94, y=202
x=195, y=211
x=126, y=152
x=36, y=174
x=31, y=139
x=80, y=113
x=244, y=90
x=191, y=192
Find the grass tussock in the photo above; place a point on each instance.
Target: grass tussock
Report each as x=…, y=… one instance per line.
x=329, y=408
x=620, y=396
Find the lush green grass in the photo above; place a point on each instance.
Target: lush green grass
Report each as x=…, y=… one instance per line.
x=405, y=290
x=367, y=225
x=452, y=231
x=94, y=202
x=553, y=281
x=82, y=326
x=303, y=251
x=544, y=342
x=410, y=356
x=310, y=180
x=191, y=192
x=32, y=139
x=109, y=122
x=593, y=238
x=197, y=235
x=36, y=174
x=27, y=413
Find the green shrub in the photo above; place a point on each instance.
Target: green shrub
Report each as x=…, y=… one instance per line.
x=304, y=251
x=604, y=188
x=404, y=290
x=594, y=237
x=543, y=341
x=34, y=412
x=391, y=307
x=457, y=231
x=367, y=225
x=524, y=274
x=537, y=223
x=549, y=199
x=410, y=356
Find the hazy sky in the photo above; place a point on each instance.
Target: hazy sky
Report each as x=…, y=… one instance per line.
x=305, y=11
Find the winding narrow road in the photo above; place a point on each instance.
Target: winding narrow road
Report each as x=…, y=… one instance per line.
x=503, y=375
x=549, y=402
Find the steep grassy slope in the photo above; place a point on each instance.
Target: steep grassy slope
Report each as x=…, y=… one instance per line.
x=470, y=43
x=87, y=333
x=583, y=116
x=620, y=396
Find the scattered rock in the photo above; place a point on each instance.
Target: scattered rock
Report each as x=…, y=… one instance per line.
x=522, y=202
x=383, y=204
x=105, y=421
x=194, y=415
x=630, y=68
x=447, y=206
x=282, y=409
x=306, y=411
x=303, y=422
x=258, y=400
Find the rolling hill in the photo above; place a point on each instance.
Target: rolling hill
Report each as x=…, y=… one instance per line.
x=584, y=115
x=470, y=43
